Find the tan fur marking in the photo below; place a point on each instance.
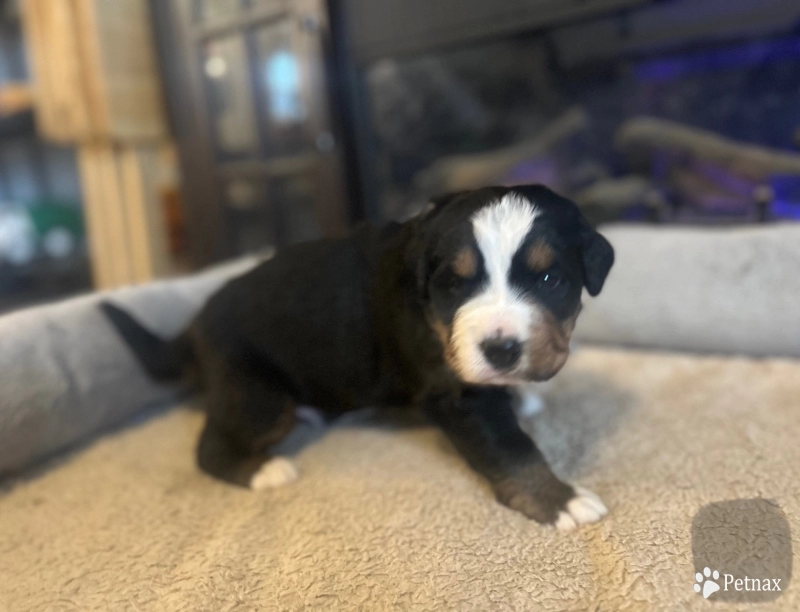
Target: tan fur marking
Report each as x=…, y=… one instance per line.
x=466, y=263
x=549, y=345
x=540, y=256
x=443, y=332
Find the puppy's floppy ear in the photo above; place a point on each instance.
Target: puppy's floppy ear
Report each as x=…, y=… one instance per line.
x=597, y=254
x=597, y=257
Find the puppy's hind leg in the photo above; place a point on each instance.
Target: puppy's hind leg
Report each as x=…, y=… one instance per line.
x=247, y=415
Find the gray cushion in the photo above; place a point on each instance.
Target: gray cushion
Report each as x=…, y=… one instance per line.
x=64, y=373
x=727, y=290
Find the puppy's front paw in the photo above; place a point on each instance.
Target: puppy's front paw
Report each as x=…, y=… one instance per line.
x=585, y=507
x=539, y=495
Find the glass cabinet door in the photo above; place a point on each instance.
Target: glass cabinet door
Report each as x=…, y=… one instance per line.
x=282, y=75
x=262, y=165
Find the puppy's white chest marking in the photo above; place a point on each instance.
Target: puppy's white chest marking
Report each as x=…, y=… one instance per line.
x=531, y=403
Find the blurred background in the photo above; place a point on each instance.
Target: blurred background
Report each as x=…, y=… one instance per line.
x=142, y=139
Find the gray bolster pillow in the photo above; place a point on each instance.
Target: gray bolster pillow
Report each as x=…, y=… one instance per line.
x=65, y=374
x=724, y=290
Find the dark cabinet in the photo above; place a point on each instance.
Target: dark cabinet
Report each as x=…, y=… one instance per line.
x=248, y=88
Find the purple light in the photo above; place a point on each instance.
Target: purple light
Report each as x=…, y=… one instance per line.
x=747, y=54
x=784, y=209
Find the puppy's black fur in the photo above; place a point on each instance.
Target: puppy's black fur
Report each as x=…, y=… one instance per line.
x=366, y=320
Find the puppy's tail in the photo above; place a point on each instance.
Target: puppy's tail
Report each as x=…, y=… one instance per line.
x=164, y=360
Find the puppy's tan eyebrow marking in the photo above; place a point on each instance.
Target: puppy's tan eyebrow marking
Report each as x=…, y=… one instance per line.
x=466, y=263
x=540, y=256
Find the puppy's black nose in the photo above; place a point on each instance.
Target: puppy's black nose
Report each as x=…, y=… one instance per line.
x=502, y=353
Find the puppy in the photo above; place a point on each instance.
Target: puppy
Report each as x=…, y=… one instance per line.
x=447, y=312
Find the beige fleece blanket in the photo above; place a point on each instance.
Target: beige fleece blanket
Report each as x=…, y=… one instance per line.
x=389, y=518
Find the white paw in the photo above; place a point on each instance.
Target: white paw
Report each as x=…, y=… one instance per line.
x=276, y=472
x=584, y=508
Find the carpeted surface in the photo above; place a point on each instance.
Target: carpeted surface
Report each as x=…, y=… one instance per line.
x=389, y=518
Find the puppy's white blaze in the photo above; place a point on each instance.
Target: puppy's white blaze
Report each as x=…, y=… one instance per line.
x=498, y=309
x=499, y=231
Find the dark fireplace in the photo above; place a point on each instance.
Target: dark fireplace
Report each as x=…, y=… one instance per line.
x=683, y=111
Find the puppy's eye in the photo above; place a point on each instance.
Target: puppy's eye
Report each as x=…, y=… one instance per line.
x=551, y=279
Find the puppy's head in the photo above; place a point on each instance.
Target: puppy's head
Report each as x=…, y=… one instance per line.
x=500, y=272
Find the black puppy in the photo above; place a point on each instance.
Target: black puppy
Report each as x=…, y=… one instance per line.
x=445, y=312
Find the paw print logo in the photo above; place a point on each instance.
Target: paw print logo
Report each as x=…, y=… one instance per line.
x=709, y=587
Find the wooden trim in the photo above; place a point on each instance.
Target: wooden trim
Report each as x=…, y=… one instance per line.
x=58, y=76
x=94, y=70
x=138, y=214
x=116, y=218
x=99, y=252
x=122, y=201
x=90, y=56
